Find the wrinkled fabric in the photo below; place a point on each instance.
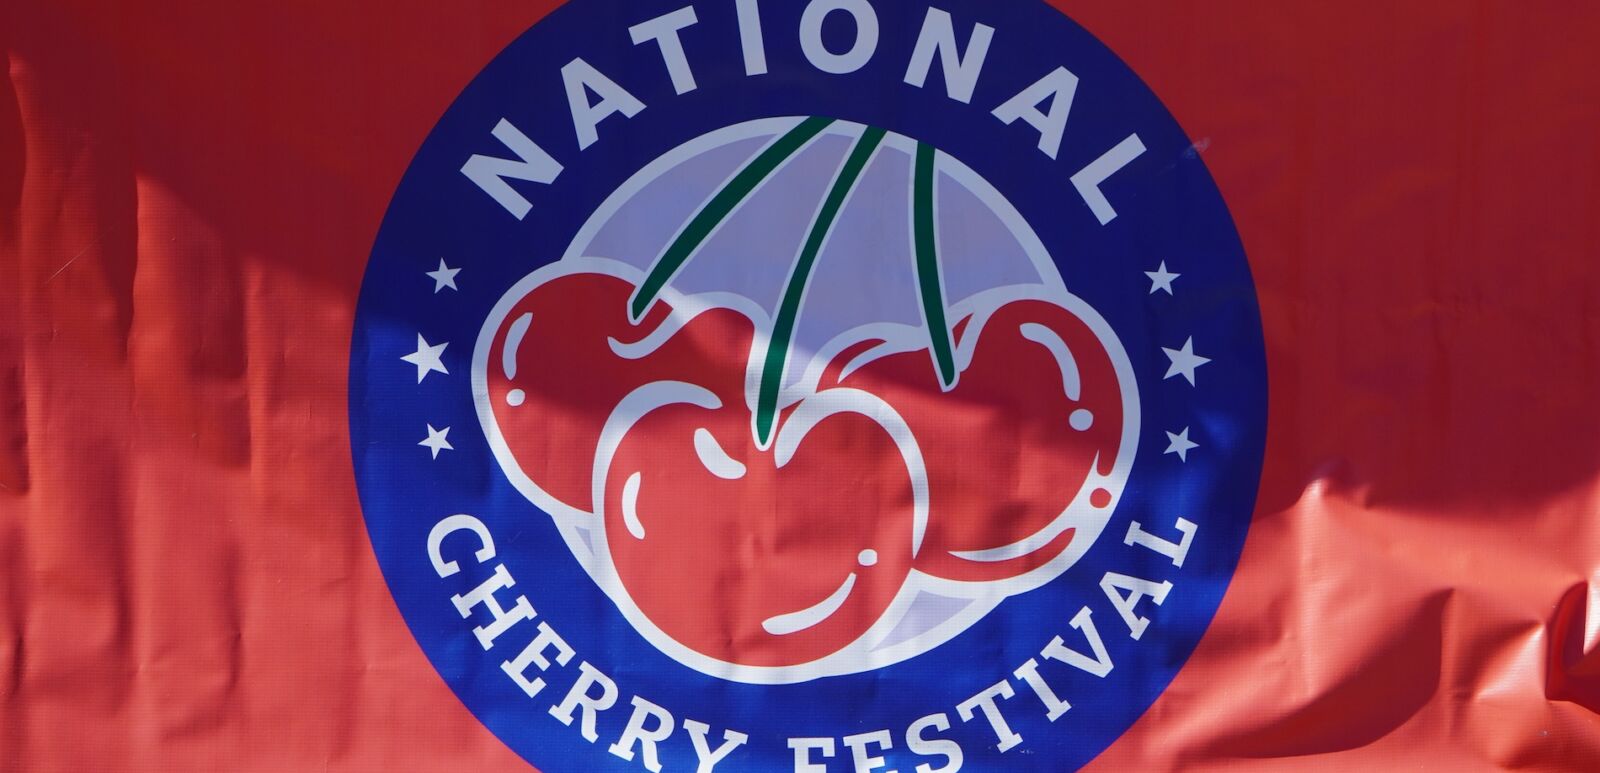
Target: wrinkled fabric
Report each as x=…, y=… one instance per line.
x=189, y=191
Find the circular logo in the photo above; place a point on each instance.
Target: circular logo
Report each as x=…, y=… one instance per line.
x=830, y=385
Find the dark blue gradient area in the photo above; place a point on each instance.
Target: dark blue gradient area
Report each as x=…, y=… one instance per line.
x=1168, y=209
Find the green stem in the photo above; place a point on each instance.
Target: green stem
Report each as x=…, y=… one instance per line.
x=719, y=207
x=789, y=308
x=928, y=283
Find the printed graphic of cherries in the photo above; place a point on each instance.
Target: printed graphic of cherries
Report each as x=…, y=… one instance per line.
x=1041, y=398
x=771, y=557
x=743, y=519
x=568, y=352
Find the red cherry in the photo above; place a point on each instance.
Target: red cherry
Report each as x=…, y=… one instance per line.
x=754, y=557
x=1007, y=449
x=566, y=374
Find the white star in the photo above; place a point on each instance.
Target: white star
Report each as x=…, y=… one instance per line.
x=1180, y=444
x=1161, y=279
x=436, y=441
x=426, y=358
x=1184, y=361
x=444, y=277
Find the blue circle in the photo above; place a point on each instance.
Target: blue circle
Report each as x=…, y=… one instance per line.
x=1168, y=210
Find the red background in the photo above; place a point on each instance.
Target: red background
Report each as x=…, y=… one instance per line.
x=188, y=192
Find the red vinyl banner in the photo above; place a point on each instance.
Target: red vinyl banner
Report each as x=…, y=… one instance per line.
x=825, y=385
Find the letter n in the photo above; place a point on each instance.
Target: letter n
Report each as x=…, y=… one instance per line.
x=532, y=164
